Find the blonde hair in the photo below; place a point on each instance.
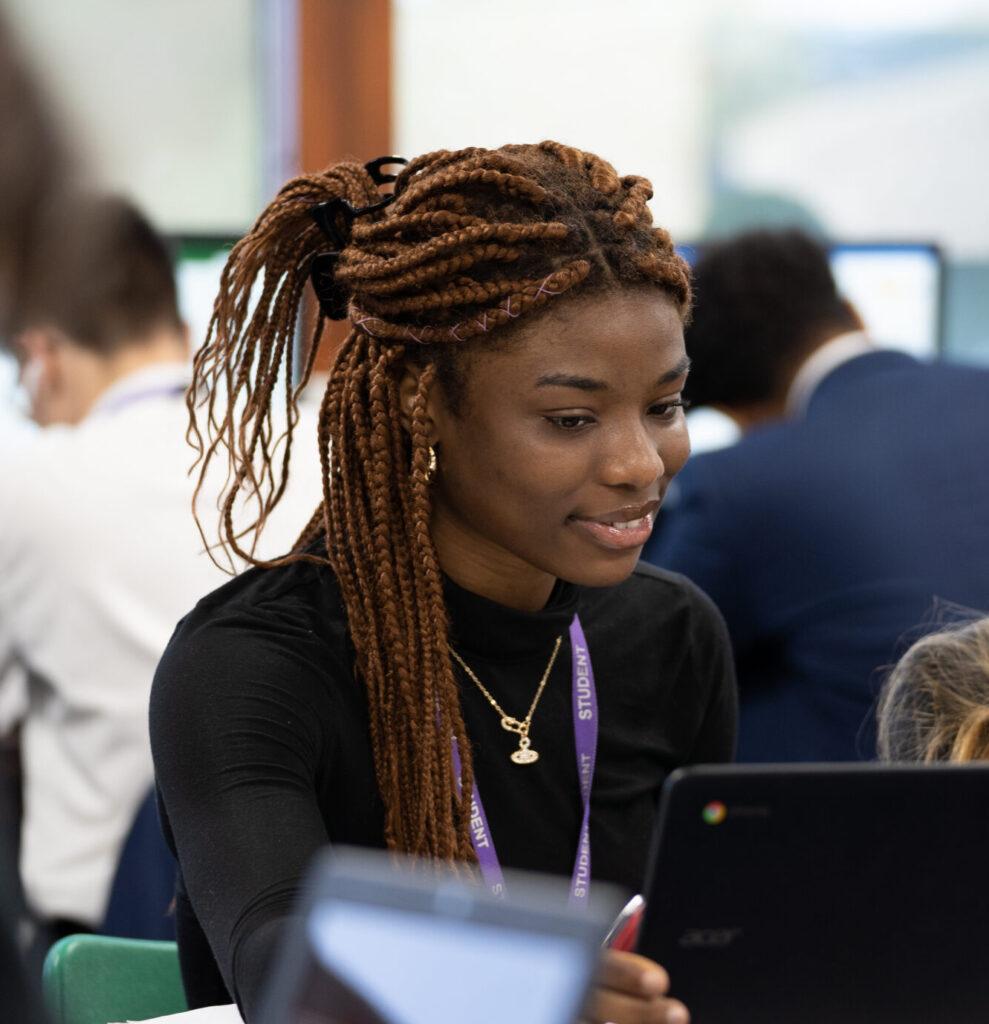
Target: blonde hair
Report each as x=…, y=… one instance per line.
x=934, y=706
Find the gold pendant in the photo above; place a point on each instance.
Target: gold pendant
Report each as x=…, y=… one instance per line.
x=524, y=755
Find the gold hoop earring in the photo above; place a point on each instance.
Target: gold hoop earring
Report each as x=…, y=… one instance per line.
x=431, y=465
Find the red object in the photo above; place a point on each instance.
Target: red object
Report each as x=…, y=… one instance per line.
x=625, y=931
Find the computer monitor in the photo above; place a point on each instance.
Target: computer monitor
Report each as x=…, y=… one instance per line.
x=897, y=290
x=199, y=262
x=896, y=287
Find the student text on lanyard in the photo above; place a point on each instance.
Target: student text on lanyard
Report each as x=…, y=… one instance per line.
x=585, y=727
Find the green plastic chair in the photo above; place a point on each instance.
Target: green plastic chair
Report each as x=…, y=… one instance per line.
x=96, y=979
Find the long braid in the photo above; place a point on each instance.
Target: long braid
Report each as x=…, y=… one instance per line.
x=434, y=626
x=472, y=242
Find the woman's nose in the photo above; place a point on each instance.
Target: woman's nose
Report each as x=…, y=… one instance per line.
x=632, y=459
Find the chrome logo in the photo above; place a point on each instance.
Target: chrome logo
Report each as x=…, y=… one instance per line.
x=714, y=813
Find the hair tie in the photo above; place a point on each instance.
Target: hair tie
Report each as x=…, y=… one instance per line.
x=335, y=218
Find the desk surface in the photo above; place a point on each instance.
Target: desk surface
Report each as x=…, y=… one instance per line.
x=225, y=1014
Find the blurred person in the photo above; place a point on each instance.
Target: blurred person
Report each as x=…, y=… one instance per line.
x=34, y=164
x=463, y=660
x=857, y=495
x=99, y=550
x=934, y=705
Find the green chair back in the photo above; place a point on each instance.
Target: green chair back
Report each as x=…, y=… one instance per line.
x=95, y=979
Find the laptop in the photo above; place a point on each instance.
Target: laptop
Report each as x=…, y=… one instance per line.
x=383, y=940
x=823, y=894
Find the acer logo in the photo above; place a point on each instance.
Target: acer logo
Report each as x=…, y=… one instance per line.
x=708, y=938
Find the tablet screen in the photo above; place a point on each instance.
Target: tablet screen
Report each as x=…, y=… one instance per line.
x=378, y=965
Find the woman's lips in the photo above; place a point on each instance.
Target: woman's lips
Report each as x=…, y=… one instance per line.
x=622, y=529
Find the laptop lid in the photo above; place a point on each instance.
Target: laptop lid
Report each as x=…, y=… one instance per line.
x=384, y=940
x=816, y=894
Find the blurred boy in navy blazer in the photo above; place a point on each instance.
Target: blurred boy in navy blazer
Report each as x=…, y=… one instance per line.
x=855, y=502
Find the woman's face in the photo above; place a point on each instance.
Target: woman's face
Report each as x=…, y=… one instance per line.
x=562, y=448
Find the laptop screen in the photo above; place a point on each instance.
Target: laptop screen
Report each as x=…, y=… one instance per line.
x=441, y=968
x=819, y=893
x=382, y=940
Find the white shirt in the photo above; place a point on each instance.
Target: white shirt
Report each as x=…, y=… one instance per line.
x=821, y=362
x=99, y=558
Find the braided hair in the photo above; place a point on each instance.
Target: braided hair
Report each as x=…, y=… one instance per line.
x=472, y=242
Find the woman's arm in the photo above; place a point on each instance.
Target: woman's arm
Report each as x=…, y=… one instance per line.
x=239, y=720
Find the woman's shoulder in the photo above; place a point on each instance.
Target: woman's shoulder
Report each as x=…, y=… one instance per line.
x=299, y=592
x=655, y=597
x=286, y=622
x=664, y=646
x=658, y=620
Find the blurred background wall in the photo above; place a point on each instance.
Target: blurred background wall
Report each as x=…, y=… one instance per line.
x=865, y=118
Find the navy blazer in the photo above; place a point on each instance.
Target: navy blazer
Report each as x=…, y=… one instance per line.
x=830, y=541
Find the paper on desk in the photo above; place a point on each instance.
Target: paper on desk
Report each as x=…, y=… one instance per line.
x=225, y=1014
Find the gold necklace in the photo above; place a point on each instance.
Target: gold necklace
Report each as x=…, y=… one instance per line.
x=525, y=754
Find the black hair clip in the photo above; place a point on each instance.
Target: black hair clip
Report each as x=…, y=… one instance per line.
x=335, y=218
x=333, y=295
x=373, y=167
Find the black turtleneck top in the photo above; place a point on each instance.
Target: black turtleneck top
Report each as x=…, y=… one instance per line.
x=262, y=749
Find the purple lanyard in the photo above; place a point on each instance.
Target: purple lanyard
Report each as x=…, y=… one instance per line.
x=585, y=727
x=122, y=401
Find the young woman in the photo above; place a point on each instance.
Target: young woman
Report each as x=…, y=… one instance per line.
x=461, y=659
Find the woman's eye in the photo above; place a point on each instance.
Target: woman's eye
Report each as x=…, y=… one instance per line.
x=569, y=422
x=668, y=410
